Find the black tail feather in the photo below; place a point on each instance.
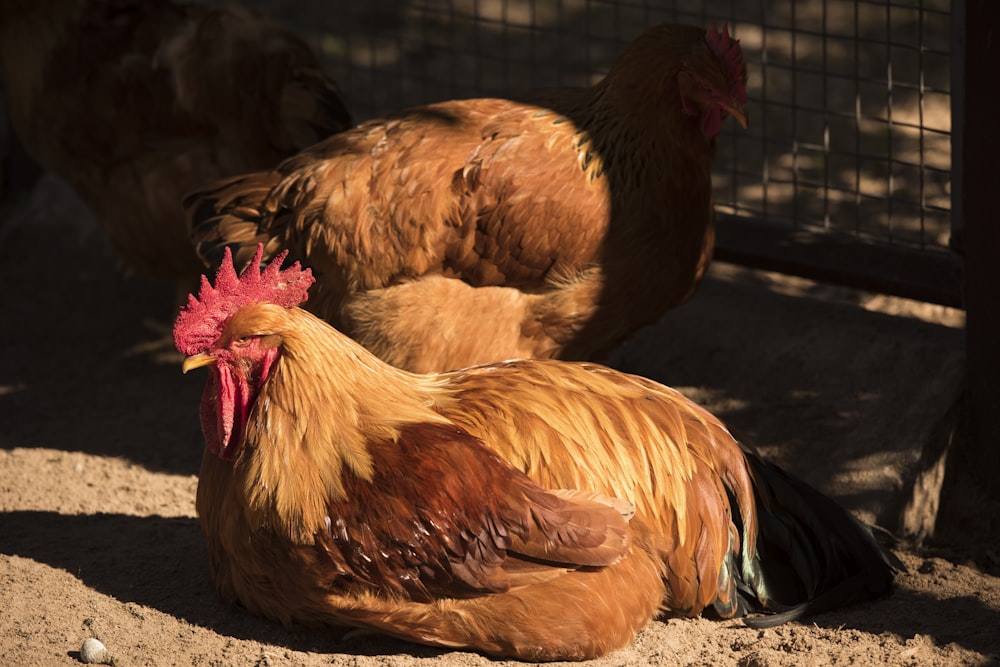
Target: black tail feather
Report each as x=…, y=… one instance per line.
x=811, y=554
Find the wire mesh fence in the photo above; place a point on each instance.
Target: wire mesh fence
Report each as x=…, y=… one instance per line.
x=849, y=100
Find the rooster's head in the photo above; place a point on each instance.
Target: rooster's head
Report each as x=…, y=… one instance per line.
x=714, y=87
x=219, y=329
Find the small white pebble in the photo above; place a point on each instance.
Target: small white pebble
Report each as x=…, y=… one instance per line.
x=93, y=652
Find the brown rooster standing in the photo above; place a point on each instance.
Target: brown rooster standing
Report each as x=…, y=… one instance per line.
x=137, y=102
x=336, y=489
x=478, y=230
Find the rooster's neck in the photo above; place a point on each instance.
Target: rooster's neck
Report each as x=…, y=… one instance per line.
x=645, y=144
x=327, y=400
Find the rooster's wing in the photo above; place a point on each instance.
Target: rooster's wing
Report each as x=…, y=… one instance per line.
x=443, y=516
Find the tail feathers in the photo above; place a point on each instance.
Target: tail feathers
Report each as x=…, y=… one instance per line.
x=255, y=81
x=313, y=108
x=232, y=214
x=811, y=555
x=842, y=595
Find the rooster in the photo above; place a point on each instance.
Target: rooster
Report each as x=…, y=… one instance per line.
x=137, y=102
x=485, y=508
x=479, y=230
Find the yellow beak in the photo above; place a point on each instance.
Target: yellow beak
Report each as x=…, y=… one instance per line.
x=197, y=361
x=740, y=115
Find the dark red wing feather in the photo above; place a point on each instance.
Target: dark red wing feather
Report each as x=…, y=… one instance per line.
x=443, y=516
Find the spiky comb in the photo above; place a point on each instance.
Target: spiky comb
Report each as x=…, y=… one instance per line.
x=728, y=51
x=201, y=320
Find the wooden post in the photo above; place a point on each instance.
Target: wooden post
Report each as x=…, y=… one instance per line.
x=978, y=198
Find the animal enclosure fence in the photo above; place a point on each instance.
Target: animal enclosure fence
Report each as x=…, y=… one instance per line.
x=845, y=173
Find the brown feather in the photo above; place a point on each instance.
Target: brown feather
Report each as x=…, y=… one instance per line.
x=566, y=220
x=365, y=495
x=442, y=514
x=137, y=102
x=394, y=508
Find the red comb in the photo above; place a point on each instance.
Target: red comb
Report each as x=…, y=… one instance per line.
x=201, y=320
x=729, y=52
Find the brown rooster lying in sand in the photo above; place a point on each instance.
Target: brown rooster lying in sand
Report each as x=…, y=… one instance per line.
x=137, y=102
x=472, y=231
x=477, y=509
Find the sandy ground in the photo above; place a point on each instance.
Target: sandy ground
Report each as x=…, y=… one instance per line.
x=100, y=448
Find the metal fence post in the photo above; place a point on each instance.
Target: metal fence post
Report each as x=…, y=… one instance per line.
x=980, y=219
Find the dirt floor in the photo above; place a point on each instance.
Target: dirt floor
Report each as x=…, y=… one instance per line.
x=100, y=448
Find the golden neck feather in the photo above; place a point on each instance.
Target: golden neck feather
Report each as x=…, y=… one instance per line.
x=314, y=419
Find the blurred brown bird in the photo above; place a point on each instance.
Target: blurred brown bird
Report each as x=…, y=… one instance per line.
x=478, y=230
x=137, y=102
x=336, y=489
